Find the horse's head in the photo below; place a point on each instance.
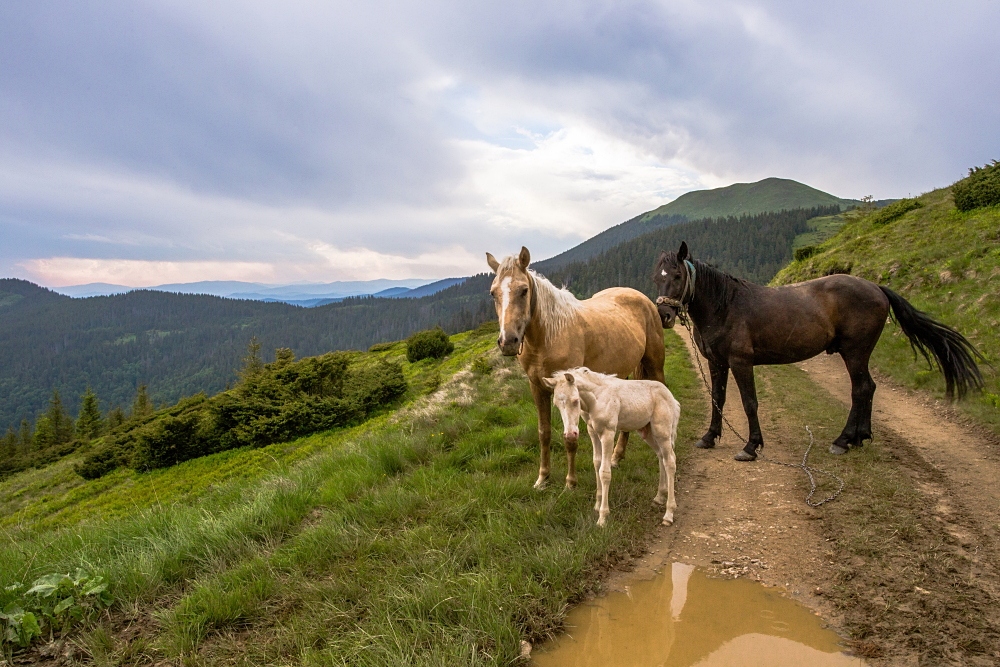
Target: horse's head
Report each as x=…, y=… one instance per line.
x=512, y=296
x=566, y=396
x=674, y=276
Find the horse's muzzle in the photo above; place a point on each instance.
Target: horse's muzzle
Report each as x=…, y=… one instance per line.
x=509, y=347
x=668, y=315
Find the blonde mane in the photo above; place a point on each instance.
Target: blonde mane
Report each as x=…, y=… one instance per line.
x=556, y=306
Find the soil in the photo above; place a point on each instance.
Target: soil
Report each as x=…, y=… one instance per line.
x=750, y=520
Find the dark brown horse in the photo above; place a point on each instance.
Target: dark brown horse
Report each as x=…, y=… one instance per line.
x=739, y=325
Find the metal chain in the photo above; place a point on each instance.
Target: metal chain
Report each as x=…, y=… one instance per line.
x=804, y=467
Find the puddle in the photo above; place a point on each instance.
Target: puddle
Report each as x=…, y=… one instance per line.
x=684, y=618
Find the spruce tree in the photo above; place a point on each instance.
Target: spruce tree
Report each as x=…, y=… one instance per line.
x=116, y=417
x=45, y=433
x=26, y=436
x=142, y=406
x=89, y=423
x=59, y=420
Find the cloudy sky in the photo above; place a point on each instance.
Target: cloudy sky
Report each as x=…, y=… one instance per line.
x=144, y=143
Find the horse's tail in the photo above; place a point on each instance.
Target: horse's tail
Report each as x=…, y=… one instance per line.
x=955, y=356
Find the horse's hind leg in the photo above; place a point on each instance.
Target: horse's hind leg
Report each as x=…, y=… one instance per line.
x=619, y=452
x=859, y=421
x=655, y=444
x=665, y=437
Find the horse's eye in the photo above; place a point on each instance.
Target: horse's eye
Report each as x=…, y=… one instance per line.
x=524, y=291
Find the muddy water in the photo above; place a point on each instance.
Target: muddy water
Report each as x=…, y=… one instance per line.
x=682, y=617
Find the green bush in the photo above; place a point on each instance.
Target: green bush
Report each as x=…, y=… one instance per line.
x=805, y=252
x=980, y=188
x=278, y=402
x=894, y=211
x=432, y=343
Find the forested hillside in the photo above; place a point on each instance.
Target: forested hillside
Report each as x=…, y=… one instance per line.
x=182, y=344
x=770, y=195
x=753, y=247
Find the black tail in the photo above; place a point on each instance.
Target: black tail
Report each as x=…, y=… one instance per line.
x=954, y=355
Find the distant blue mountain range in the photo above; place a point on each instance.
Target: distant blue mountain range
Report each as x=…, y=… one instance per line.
x=307, y=295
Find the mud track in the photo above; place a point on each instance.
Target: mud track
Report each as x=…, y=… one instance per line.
x=931, y=596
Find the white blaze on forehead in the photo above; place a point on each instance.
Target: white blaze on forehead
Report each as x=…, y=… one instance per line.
x=504, y=299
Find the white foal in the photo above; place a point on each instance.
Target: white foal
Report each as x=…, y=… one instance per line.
x=609, y=404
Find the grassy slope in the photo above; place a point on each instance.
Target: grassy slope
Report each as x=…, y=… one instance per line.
x=770, y=194
x=944, y=262
x=820, y=229
x=413, y=539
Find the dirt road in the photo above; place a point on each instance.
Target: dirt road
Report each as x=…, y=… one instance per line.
x=904, y=564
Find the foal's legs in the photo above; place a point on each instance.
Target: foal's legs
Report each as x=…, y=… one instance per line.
x=595, y=440
x=859, y=421
x=619, y=453
x=720, y=378
x=607, y=446
x=656, y=446
x=666, y=438
x=543, y=404
x=748, y=392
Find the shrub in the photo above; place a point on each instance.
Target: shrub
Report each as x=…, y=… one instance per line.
x=980, y=188
x=278, y=402
x=805, y=252
x=382, y=347
x=432, y=343
x=893, y=211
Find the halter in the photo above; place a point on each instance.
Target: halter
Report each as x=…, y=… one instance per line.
x=687, y=294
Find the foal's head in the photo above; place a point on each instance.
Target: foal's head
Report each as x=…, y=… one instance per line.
x=674, y=277
x=511, y=292
x=566, y=396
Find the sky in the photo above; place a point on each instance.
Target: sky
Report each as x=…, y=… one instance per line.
x=146, y=143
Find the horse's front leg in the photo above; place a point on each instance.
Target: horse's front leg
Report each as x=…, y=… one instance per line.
x=720, y=378
x=543, y=403
x=607, y=446
x=595, y=441
x=748, y=392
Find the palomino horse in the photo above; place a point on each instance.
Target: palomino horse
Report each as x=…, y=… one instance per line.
x=616, y=331
x=738, y=325
x=608, y=404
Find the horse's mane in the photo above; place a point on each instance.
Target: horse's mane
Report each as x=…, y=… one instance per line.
x=717, y=287
x=599, y=378
x=556, y=306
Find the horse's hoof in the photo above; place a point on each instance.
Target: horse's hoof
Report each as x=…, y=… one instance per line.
x=570, y=484
x=541, y=483
x=659, y=501
x=668, y=522
x=705, y=444
x=602, y=522
x=742, y=455
x=837, y=449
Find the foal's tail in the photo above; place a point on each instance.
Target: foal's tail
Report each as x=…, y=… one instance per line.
x=955, y=356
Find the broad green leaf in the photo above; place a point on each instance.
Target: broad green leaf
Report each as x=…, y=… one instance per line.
x=64, y=605
x=29, y=627
x=95, y=588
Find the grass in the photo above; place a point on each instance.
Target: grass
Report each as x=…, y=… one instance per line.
x=820, y=229
x=413, y=539
x=944, y=262
x=902, y=584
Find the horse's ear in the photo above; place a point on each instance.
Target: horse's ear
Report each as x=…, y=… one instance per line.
x=549, y=383
x=524, y=258
x=492, y=261
x=570, y=379
x=682, y=254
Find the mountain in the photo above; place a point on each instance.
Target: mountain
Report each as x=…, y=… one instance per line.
x=304, y=294
x=768, y=195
